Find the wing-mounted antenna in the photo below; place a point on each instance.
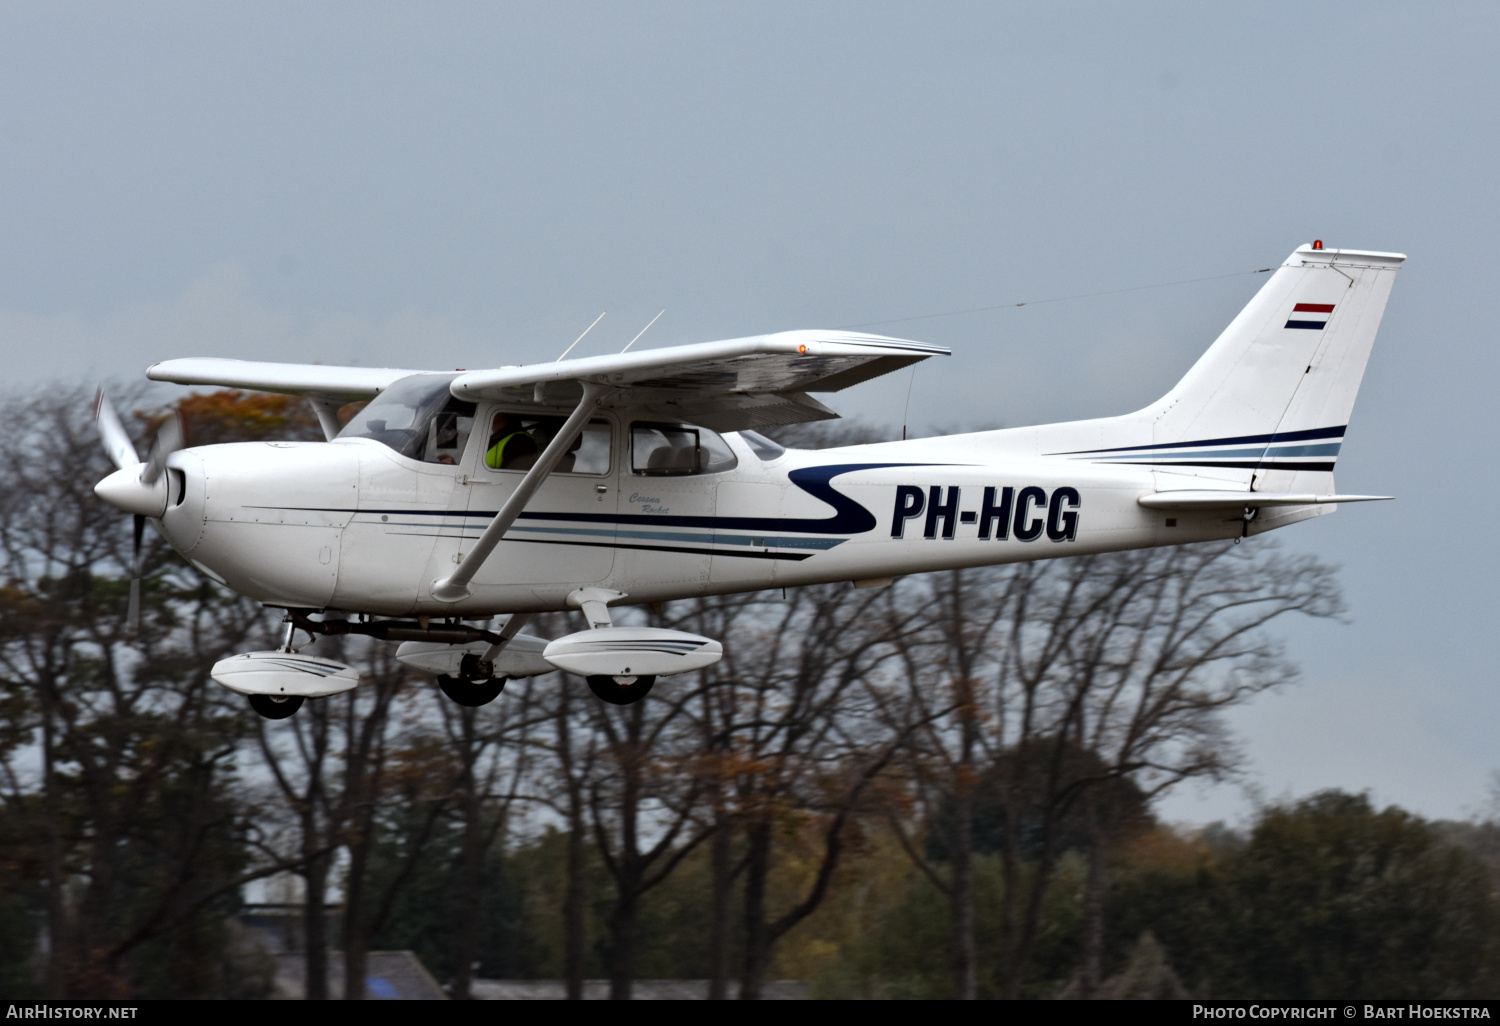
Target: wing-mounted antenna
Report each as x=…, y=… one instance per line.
x=579, y=339
x=643, y=331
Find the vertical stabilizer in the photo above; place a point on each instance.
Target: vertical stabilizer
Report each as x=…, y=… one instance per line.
x=1267, y=405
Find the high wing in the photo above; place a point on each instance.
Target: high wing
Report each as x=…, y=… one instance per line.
x=727, y=386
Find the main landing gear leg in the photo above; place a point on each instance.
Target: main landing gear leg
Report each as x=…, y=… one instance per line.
x=279, y=707
x=476, y=683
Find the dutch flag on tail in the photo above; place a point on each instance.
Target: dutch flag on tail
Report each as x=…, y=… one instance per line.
x=1310, y=315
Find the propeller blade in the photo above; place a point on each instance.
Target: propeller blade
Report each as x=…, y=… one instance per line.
x=168, y=440
x=133, y=614
x=112, y=432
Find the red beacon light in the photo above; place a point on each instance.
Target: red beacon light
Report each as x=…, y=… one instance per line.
x=802, y=348
x=1317, y=243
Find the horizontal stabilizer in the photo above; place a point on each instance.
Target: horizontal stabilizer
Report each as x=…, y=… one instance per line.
x=1222, y=499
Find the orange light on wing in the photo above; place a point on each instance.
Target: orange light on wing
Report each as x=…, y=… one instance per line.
x=802, y=348
x=1317, y=243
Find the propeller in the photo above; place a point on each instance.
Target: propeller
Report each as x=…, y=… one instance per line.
x=136, y=487
x=133, y=614
x=116, y=441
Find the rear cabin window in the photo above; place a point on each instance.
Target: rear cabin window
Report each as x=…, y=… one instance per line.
x=677, y=450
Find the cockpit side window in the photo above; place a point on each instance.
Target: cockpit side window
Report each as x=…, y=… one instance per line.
x=516, y=440
x=449, y=432
x=417, y=417
x=677, y=450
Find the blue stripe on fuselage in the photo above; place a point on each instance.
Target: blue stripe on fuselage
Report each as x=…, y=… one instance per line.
x=849, y=516
x=1326, y=449
x=1282, y=436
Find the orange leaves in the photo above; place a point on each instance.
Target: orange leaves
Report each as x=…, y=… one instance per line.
x=1166, y=850
x=232, y=415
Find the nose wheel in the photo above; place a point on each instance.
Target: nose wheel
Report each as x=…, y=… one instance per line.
x=472, y=693
x=276, y=707
x=620, y=690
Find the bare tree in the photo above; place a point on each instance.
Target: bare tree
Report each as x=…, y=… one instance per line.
x=129, y=804
x=493, y=752
x=786, y=714
x=643, y=754
x=328, y=764
x=567, y=772
x=1174, y=637
x=949, y=666
x=1074, y=691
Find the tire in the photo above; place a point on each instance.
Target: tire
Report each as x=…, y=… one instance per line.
x=273, y=708
x=472, y=693
x=613, y=691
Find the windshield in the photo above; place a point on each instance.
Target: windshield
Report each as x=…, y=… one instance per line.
x=419, y=418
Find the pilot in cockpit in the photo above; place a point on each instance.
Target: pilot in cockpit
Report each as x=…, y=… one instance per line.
x=511, y=446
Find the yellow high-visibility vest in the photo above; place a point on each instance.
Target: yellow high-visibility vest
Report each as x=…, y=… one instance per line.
x=495, y=457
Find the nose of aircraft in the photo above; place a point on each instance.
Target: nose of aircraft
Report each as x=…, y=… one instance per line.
x=126, y=491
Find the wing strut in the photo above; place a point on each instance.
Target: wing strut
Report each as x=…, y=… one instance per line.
x=326, y=409
x=455, y=588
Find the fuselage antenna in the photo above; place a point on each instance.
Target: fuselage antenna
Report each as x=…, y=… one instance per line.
x=905, y=410
x=643, y=330
x=579, y=339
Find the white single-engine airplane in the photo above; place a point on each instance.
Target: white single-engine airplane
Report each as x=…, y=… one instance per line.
x=455, y=498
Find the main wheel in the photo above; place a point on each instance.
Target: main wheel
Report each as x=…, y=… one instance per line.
x=621, y=690
x=472, y=692
x=274, y=707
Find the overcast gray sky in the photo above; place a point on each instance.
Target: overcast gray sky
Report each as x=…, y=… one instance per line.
x=466, y=185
